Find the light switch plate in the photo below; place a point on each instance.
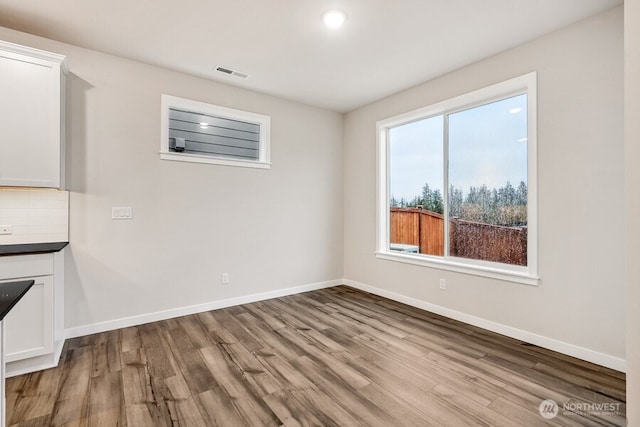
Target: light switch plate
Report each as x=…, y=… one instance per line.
x=121, y=212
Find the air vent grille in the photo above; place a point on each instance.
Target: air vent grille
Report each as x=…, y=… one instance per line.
x=232, y=72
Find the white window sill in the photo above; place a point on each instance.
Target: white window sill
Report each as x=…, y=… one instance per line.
x=194, y=158
x=474, y=270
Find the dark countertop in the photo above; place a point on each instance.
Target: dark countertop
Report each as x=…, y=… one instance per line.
x=11, y=293
x=32, y=248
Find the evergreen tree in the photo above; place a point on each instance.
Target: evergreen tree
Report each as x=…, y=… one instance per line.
x=521, y=194
x=456, y=201
x=432, y=199
x=417, y=201
x=505, y=206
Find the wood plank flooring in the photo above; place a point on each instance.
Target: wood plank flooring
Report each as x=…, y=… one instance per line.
x=334, y=357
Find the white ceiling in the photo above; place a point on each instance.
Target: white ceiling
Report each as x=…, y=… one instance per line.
x=385, y=45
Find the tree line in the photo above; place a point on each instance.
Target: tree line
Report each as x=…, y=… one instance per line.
x=505, y=206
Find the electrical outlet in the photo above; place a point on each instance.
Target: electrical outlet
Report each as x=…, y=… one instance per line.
x=443, y=284
x=6, y=229
x=225, y=278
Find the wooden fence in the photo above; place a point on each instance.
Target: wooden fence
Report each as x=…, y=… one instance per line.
x=415, y=226
x=425, y=229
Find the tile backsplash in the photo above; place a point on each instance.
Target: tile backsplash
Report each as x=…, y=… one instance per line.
x=34, y=215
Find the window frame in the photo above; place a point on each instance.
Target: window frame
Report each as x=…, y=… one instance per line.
x=520, y=274
x=264, y=145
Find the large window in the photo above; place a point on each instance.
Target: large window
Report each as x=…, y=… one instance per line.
x=457, y=183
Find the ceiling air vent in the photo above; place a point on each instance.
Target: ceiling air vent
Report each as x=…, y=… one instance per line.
x=232, y=72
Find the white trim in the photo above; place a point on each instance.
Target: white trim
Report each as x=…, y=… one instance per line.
x=41, y=55
x=459, y=267
x=532, y=173
x=477, y=97
x=519, y=274
x=167, y=101
x=545, y=342
x=3, y=400
x=195, y=158
x=38, y=363
x=519, y=334
x=126, y=322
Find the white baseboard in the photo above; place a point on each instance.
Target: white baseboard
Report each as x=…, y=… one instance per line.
x=539, y=340
x=549, y=343
x=193, y=309
x=37, y=363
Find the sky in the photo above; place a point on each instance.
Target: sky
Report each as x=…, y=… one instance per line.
x=487, y=145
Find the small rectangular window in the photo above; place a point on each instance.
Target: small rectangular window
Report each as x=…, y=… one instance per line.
x=194, y=131
x=458, y=183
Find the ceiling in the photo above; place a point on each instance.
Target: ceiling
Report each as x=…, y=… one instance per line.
x=385, y=45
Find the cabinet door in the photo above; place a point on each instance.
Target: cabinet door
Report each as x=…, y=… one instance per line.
x=29, y=325
x=30, y=128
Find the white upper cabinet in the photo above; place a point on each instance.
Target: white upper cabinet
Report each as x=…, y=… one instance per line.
x=32, y=117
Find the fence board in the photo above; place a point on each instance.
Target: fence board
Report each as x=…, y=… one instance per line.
x=431, y=233
x=405, y=226
x=425, y=229
x=488, y=242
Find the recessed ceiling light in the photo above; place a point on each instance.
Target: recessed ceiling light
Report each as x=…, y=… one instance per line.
x=515, y=110
x=204, y=125
x=334, y=18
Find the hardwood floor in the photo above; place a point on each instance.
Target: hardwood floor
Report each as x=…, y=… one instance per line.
x=334, y=357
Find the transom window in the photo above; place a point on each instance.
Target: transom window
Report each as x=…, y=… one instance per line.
x=457, y=183
x=194, y=131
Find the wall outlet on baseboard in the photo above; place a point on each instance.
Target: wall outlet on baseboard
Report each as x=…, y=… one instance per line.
x=6, y=229
x=443, y=284
x=225, y=278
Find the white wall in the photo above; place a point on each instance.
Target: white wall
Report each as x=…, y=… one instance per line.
x=269, y=229
x=579, y=303
x=632, y=198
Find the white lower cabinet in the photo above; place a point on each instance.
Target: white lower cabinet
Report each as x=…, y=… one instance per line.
x=33, y=328
x=29, y=326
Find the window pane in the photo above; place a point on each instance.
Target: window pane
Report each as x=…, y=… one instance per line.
x=488, y=182
x=206, y=134
x=416, y=187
